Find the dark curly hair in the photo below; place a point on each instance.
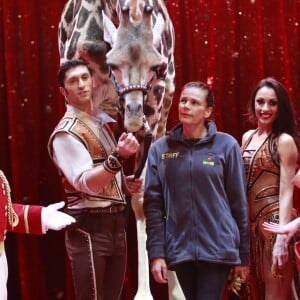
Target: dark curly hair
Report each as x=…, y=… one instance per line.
x=66, y=66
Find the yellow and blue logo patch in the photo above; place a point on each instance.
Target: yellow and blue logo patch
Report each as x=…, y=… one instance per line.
x=209, y=160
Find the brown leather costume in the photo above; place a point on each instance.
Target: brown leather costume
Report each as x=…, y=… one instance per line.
x=75, y=127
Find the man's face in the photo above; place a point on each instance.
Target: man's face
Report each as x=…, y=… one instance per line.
x=78, y=87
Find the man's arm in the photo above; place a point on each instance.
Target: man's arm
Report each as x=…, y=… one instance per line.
x=75, y=162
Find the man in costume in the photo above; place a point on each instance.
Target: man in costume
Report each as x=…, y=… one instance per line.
x=19, y=218
x=90, y=162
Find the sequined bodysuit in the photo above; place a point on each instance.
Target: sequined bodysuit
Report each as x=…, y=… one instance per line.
x=263, y=179
x=263, y=176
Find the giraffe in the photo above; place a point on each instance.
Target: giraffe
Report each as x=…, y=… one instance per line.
x=129, y=44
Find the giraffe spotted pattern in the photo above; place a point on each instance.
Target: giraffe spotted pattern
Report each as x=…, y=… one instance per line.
x=134, y=40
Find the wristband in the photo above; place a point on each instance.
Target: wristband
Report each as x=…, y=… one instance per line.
x=118, y=157
x=112, y=164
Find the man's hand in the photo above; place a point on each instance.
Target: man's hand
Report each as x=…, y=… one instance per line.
x=54, y=219
x=135, y=185
x=127, y=145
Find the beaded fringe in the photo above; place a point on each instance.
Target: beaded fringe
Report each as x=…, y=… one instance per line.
x=12, y=217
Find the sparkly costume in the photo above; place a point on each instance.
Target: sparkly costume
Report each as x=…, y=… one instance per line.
x=263, y=181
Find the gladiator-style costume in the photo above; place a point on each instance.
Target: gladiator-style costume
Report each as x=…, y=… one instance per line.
x=263, y=181
x=96, y=243
x=99, y=151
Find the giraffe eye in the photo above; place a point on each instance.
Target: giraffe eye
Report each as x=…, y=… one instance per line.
x=115, y=72
x=113, y=67
x=160, y=70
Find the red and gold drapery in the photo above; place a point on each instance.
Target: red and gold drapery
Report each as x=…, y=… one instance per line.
x=231, y=44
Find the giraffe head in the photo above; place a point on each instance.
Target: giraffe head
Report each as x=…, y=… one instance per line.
x=134, y=60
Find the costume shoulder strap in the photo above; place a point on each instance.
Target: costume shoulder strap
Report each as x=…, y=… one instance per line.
x=249, y=140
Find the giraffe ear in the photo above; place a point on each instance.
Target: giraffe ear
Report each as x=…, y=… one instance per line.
x=158, y=29
x=109, y=30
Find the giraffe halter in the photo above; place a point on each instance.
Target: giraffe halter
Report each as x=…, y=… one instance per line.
x=148, y=136
x=145, y=88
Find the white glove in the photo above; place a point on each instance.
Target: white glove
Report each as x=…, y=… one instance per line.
x=54, y=219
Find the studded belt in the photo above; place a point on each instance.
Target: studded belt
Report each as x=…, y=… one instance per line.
x=113, y=209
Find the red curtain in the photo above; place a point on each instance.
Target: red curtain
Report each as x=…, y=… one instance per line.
x=231, y=44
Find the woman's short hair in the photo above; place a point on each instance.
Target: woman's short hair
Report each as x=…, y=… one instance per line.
x=203, y=86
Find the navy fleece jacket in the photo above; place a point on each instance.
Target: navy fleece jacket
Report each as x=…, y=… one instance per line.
x=195, y=200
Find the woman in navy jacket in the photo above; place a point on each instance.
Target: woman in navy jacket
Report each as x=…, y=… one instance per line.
x=195, y=201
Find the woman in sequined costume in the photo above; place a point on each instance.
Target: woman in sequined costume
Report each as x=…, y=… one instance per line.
x=270, y=157
x=291, y=229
